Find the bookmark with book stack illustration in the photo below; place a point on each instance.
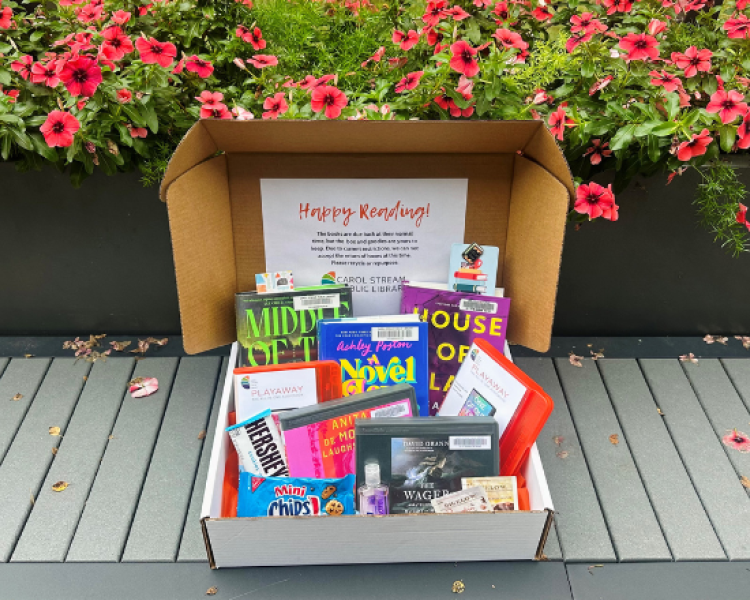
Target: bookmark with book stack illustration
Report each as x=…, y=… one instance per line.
x=473, y=268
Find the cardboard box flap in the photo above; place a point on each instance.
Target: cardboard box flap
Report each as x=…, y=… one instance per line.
x=193, y=149
x=543, y=149
x=533, y=251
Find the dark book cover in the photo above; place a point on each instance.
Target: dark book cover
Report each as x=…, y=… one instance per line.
x=282, y=327
x=455, y=320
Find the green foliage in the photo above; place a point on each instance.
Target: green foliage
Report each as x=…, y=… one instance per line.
x=719, y=197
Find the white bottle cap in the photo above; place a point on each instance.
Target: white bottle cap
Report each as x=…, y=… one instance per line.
x=372, y=474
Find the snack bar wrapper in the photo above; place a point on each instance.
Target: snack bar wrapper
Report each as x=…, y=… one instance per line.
x=468, y=500
x=294, y=496
x=259, y=445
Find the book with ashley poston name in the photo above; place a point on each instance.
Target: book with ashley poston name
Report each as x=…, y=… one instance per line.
x=376, y=352
x=282, y=327
x=455, y=320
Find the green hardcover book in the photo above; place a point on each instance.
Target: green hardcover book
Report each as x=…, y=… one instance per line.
x=282, y=327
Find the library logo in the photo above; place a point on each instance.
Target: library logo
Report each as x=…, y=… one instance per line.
x=329, y=278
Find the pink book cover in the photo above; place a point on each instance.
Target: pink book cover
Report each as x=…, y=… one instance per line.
x=326, y=448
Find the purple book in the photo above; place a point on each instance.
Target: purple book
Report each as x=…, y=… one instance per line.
x=455, y=320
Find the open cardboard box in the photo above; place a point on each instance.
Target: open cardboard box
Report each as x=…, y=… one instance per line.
x=518, y=196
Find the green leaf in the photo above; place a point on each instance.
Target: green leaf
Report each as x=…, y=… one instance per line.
x=654, y=153
x=37, y=35
x=587, y=68
x=665, y=129
x=711, y=85
x=149, y=114
x=673, y=105
x=623, y=137
x=727, y=135
x=646, y=128
x=472, y=31
x=22, y=139
x=4, y=77
x=42, y=148
x=483, y=105
x=12, y=119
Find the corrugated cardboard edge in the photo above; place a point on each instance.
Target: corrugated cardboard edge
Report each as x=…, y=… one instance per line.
x=196, y=147
x=207, y=541
x=545, y=533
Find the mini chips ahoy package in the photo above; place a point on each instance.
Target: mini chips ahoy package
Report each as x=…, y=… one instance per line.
x=294, y=496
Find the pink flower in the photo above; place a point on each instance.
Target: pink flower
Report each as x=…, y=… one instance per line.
x=144, y=387
x=207, y=97
x=598, y=151
x=737, y=440
x=542, y=13
x=510, y=39
x=59, y=128
x=121, y=17
x=693, y=60
x=743, y=131
x=275, y=106
x=153, y=51
x=741, y=216
x=261, y=61
x=576, y=40
x=586, y=23
x=180, y=66
x=409, y=82
x=666, y=80
x=6, y=17
x=738, y=28
x=558, y=121
x=458, y=13
x=639, y=46
x=655, y=27
x=12, y=94
x=501, y=11
x=330, y=99
x=124, y=96
x=462, y=59
x=241, y=114
x=310, y=82
x=215, y=111
x=465, y=86
x=138, y=132
x=435, y=10
x=695, y=147
x=23, y=66
x=116, y=44
x=81, y=76
x=595, y=201
x=143, y=10
x=256, y=39
x=90, y=12
x=600, y=85
x=447, y=103
x=614, y=6
x=376, y=57
x=203, y=68
x=45, y=73
x=248, y=3
x=540, y=97
x=406, y=41
x=729, y=105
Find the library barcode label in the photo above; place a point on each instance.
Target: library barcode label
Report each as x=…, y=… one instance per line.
x=395, y=334
x=478, y=306
x=469, y=442
x=394, y=410
x=321, y=301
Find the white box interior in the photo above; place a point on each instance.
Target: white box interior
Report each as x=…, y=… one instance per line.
x=524, y=527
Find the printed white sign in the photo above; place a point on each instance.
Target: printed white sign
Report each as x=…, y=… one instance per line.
x=370, y=234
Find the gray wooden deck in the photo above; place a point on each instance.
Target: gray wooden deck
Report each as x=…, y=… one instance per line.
x=668, y=492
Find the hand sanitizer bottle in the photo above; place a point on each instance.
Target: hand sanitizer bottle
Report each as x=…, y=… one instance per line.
x=373, y=496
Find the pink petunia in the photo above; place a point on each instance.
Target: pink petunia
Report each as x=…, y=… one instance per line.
x=728, y=104
x=153, y=51
x=23, y=65
x=434, y=12
x=738, y=27
x=666, y=80
x=330, y=99
x=242, y=114
x=180, y=66
x=741, y=216
x=59, y=129
x=558, y=121
x=596, y=201
x=576, y=40
x=458, y=13
x=510, y=39
x=261, y=61
x=600, y=85
x=447, y=103
x=202, y=68
x=586, y=23
x=597, y=151
x=6, y=17
x=116, y=44
x=124, y=96
x=121, y=17
x=639, y=46
x=743, y=132
x=376, y=57
x=737, y=440
x=655, y=27
x=409, y=82
x=215, y=111
x=501, y=11
x=405, y=41
x=275, y=106
x=695, y=147
x=45, y=73
x=622, y=6
x=542, y=13
x=207, y=97
x=81, y=76
x=138, y=132
x=462, y=59
x=693, y=60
